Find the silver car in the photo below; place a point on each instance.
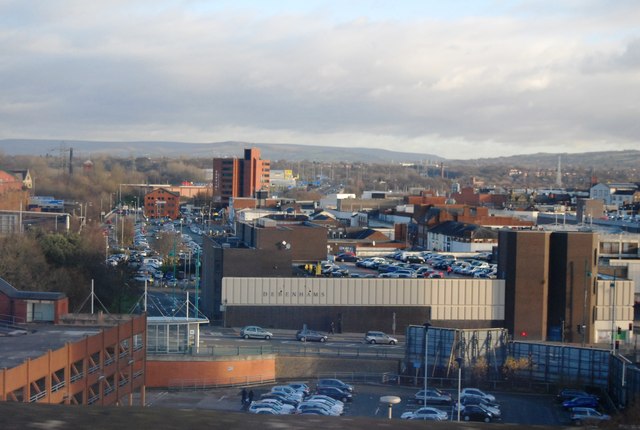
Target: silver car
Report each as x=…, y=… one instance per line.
x=379, y=337
x=255, y=332
x=581, y=416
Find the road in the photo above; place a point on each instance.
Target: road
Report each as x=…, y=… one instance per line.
x=217, y=340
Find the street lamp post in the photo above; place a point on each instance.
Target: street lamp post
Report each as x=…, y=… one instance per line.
x=197, y=281
x=583, y=327
x=459, y=361
x=426, y=352
x=612, y=296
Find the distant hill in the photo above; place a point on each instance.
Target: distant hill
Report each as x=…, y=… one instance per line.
x=628, y=159
x=270, y=151
x=622, y=160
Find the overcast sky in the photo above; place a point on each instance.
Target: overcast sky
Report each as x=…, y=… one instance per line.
x=458, y=79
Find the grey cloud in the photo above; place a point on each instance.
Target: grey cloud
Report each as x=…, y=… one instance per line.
x=169, y=72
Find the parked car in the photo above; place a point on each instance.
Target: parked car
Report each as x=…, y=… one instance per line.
x=279, y=407
x=379, y=337
x=327, y=382
x=335, y=393
x=476, y=413
x=346, y=256
x=581, y=402
x=311, y=335
x=257, y=407
x=301, y=387
x=371, y=263
x=426, y=413
x=581, y=416
x=327, y=399
x=264, y=411
x=477, y=392
x=288, y=391
x=362, y=275
x=433, y=396
x=570, y=393
x=281, y=397
x=312, y=409
x=414, y=259
x=334, y=408
x=255, y=332
x=469, y=400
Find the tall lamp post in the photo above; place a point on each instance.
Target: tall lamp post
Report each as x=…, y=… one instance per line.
x=197, y=282
x=612, y=295
x=583, y=327
x=459, y=361
x=426, y=355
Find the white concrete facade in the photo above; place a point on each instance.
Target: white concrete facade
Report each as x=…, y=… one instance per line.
x=449, y=299
x=613, y=303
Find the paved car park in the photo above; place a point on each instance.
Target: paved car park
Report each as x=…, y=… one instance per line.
x=518, y=408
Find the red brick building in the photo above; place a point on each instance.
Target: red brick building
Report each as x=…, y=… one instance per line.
x=162, y=203
x=468, y=196
x=428, y=217
x=235, y=177
x=30, y=306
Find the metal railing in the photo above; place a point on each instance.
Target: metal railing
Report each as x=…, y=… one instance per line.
x=76, y=377
x=11, y=319
x=205, y=383
x=304, y=349
x=57, y=386
x=37, y=396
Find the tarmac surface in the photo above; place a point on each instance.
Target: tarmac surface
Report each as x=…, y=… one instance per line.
x=517, y=408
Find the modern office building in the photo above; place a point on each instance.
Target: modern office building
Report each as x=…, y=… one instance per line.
x=235, y=177
x=550, y=284
x=523, y=262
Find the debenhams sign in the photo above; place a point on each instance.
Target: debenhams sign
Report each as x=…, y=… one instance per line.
x=301, y=293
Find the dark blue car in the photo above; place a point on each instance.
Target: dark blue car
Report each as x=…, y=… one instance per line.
x=581, y=402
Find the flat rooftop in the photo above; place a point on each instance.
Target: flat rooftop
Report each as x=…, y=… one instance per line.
x=34, y=340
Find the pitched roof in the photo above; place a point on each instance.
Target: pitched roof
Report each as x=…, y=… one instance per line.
x=459, y=229
x=625, y=192
x=364, y=234
x=21, y=173
x=11, y=292
x=322, y=215
x=7, y=177
x=175, y=194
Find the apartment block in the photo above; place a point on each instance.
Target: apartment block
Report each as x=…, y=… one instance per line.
x=235, y=177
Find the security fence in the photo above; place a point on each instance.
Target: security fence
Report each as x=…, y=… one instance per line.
x=489, y=357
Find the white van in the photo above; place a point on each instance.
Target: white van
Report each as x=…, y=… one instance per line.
x=150, y=261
